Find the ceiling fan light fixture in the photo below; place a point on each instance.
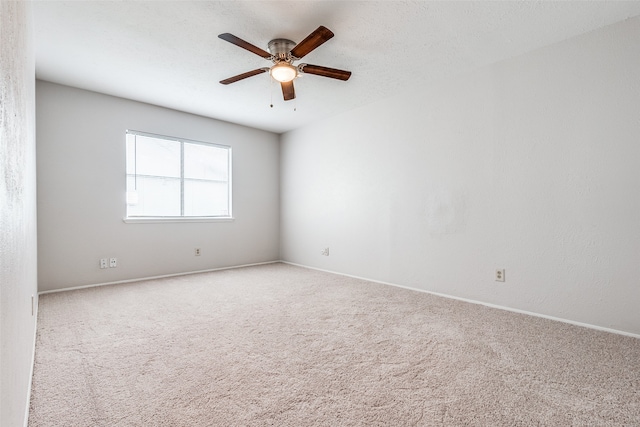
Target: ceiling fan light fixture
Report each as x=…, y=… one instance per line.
x=284, y=72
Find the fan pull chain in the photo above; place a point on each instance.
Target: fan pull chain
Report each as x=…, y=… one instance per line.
x=271, y=90
x=295, y=104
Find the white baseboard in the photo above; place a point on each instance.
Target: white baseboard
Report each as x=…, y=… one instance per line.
x=33, y=362
x=140, y=279
x=500, y=307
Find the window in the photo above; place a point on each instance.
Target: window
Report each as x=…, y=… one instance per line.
x=177, y=178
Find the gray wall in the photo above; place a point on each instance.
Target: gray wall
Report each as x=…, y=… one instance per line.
x=531, y=165
x=18, y=262
x=81, y=193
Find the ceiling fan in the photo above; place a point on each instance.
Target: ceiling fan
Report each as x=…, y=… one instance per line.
x=283, y=53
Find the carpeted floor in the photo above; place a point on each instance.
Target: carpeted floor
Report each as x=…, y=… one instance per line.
x=279, y=345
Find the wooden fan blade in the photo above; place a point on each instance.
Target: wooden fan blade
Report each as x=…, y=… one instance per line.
x=325, y=71
x=245, y=45
x=244, y=76
x=288, y=92
x=313, y=40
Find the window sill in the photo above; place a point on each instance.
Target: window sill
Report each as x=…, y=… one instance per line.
x=152, y=220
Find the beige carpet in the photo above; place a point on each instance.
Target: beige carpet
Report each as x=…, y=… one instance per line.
x=278, y=345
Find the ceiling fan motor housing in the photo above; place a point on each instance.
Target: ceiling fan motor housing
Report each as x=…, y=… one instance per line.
x=280, y=49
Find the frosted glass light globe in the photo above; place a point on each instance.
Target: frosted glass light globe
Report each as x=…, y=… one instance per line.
x=283, y=72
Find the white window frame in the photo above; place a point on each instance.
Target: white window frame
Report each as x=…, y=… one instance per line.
x=182, y=218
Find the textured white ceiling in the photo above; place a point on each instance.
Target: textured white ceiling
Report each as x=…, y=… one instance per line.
x=167, y=52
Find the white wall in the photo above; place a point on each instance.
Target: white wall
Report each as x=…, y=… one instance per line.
x=81, y=193
x=532, y=165
x=18, y=252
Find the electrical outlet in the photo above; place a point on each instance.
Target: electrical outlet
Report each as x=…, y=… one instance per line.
x=500, y=275
x=113, y=262
x=103, y=263
x=325, y=252
x=197, y=251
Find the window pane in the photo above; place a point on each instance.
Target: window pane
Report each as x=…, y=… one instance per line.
x=205, y=198
x=131, y=154
x=156, y=196
x=156, y=157
x=206, y=162
x=172, y=178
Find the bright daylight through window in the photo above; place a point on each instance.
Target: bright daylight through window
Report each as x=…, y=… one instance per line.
x=177, y=178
